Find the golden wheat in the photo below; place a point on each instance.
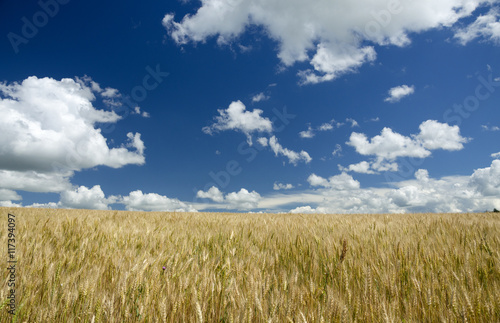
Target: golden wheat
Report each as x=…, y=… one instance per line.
x=111, y=266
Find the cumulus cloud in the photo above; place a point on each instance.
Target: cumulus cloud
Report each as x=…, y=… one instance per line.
x=213, y=194
x=309, y=133
x=49, y=131
x=9, y=204
x=435, y=135
x=280, y=186
x=340, y=182
x=485, y=26
x=9, y=195
x=399, y=92
x=363, y=167
x=138, y=201
x=390, y=145
x=387, y=145
x=85, y=198
x=32, y=181
x=243, y=200
x=237, y=118
x=309, y=210
x=293, y=157
x=487, y=180
x=334, y=37
x=478, y=192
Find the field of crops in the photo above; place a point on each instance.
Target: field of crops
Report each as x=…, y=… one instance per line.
x=109, y=266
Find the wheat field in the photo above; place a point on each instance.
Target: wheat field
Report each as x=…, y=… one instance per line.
x=115, y=266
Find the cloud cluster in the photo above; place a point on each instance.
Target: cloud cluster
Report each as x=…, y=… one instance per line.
x=334, y=37
x=49, y=131
x=478, y=192
x=85, y=198
x=94, y=198
x=237, y=118
x=485, y=27
x=390, y=145
x=242, y=200
x=311, y=132
x=138, y=201
x=293, y=156
x=342, y=182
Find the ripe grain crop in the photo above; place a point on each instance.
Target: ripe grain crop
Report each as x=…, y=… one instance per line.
x=111, y=266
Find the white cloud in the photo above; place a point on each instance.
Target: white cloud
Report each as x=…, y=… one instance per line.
x=399, y=92
x=280, y=186
x=478, y=192
x=243, y=200
x=213, y=194
x=293, y=157
x=308, y=210
x=487, y=180
x=353, y=122
x=50, y=205
x=309, y=133
x=390, y=145
x=260, y=97
x=110, y=93
x=325, y=127
x=85, y=198
x=493, y=128
x=337, y=151
x=495, y=155
x=333, y=36
x=340, y=182
x=334, y=61
x=363, y=167
x=138, y=201
x=144, y=114
x=49, y=131
x=435, y=135
x=9, y=204
x=263, y=141
x=9, y=195
x=485, y=26
x=33, y=181
x=237, y=118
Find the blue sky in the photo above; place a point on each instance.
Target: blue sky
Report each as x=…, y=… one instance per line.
x=248, y=106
